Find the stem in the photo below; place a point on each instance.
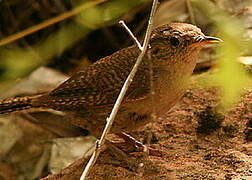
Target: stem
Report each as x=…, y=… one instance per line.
x=122, y=23
x=119, y=100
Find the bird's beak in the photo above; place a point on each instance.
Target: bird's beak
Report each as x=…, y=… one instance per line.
x=205, y=40
x=211, y=40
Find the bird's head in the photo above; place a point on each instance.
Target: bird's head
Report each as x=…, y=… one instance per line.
x=178, y=42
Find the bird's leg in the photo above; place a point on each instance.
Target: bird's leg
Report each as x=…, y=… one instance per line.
x=122, y=156
x=138, y=145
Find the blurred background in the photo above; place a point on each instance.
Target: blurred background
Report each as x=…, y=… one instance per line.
x=69, y=35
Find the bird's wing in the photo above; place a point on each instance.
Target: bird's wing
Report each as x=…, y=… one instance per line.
x=101, y=83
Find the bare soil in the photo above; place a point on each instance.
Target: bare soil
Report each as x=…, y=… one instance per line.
x=198, y=143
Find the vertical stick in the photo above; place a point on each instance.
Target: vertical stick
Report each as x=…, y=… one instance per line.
x=190, y=11
x=126, y=85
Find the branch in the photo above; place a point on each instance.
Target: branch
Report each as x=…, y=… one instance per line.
x=190, y=11
x=119, y=100
x=122, y=23
x=49, y=22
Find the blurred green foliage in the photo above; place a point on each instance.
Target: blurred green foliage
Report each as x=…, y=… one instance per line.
x=18, y=62
x=231, y=75
x=107, y=14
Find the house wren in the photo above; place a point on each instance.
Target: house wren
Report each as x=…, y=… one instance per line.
x=89, y=95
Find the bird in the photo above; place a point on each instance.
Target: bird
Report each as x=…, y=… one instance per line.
x=88, y=95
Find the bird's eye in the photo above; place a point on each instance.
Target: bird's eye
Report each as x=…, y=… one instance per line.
x=174, y=41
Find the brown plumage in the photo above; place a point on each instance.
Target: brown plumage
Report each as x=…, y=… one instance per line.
x=88, y=96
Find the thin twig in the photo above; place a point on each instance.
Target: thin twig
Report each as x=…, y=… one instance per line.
x=122, y=23
x=119, y=100
x=152, y=92
x=190, y=11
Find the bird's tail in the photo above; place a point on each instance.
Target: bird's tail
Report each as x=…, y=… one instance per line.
x=16, y=104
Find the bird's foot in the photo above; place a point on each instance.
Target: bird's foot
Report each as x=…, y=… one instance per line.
x=139, y=146
x=121, y=157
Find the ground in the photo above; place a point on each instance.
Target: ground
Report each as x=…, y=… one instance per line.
x=198, y=142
